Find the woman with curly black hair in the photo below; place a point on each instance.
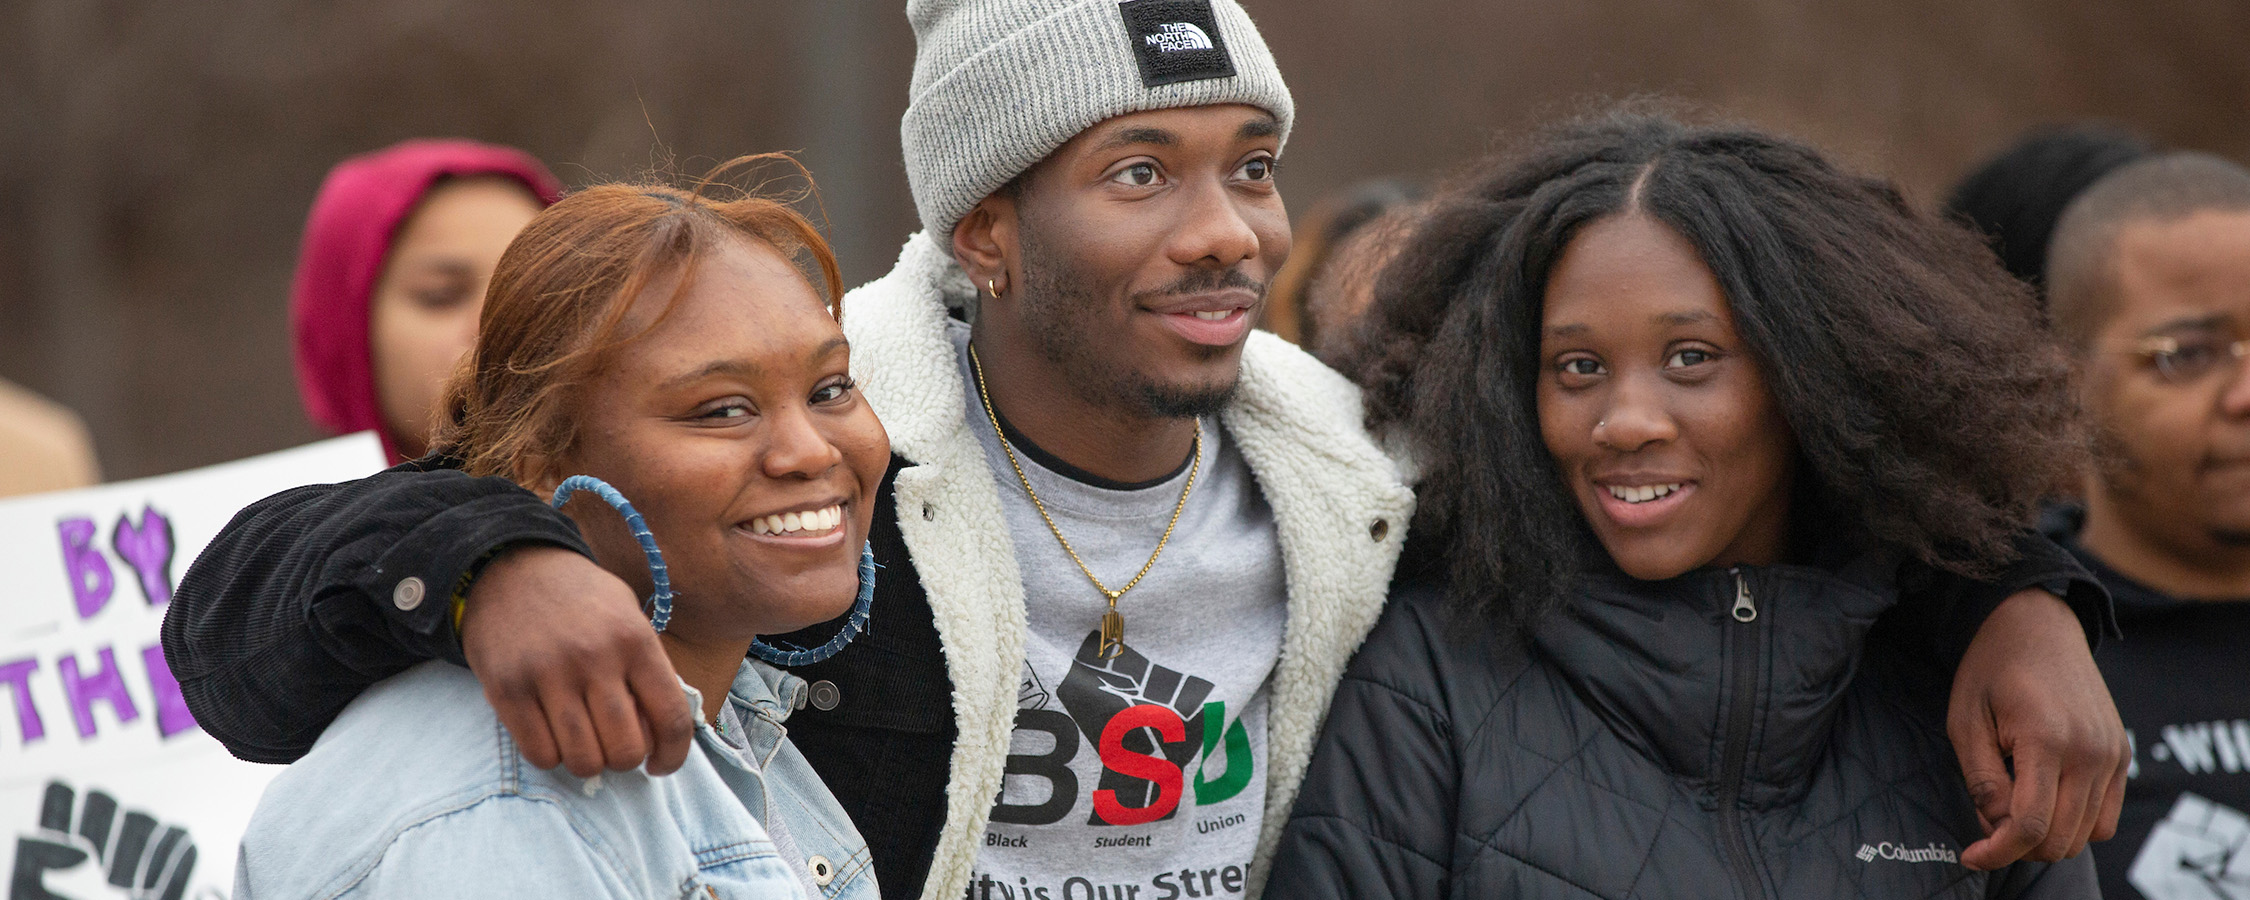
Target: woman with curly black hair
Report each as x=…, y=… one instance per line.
x=1693, y=409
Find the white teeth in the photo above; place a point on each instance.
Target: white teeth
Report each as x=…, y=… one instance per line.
x=1641, y=493
x=1213, y=315
x=810, y=521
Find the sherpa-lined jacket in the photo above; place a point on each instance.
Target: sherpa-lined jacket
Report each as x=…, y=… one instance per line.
x=1339, y=504
x=271, y=632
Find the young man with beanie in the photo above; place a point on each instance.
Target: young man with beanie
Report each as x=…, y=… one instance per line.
x=2149, y=280
x=1065, y=355
x=1127, y=544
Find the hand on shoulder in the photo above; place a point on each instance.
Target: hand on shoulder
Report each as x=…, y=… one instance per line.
x=571, y=665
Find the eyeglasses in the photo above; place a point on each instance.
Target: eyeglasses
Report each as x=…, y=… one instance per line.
x=2189, y=361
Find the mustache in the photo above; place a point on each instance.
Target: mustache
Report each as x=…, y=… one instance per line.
x=1204, y=281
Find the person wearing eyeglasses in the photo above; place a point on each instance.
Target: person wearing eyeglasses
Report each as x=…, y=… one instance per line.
x=2149, y=280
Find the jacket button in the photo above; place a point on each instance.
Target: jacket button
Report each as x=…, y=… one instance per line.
x=825, y=696
x=1380, y=530
x=822, y=871
x=407, y=594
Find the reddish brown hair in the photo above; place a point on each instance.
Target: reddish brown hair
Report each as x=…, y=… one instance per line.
x=558, y=301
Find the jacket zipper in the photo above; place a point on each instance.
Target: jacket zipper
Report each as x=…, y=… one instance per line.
x=1737, y=752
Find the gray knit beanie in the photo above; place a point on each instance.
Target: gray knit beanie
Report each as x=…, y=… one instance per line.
x=999, y=84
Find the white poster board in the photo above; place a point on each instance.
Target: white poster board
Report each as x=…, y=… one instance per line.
x=107, y=787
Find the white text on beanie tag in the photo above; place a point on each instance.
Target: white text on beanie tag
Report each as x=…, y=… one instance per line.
x=1175, y=41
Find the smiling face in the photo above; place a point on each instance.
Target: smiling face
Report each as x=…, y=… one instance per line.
x=2175, y=424
x=1655, y=410
x=734, y=427
x=423, y=314
x=1143, y=248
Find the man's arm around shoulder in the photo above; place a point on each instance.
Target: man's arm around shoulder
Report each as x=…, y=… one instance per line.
x=310, y=595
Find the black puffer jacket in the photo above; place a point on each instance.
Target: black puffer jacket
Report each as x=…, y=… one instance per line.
x=1729, y=733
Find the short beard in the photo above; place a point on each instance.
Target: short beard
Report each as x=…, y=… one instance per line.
x=1055, y=313
x=2231, y=539
x=1175, y=403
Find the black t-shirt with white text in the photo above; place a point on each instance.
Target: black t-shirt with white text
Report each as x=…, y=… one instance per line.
x=2181, y=679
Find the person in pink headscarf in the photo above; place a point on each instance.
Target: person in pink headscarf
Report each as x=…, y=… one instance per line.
x=397, y=252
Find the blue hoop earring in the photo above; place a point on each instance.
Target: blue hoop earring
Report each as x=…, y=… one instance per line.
x=659, y=604
x=788, y=656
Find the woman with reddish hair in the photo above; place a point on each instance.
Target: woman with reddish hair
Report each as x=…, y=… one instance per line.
x=397, y=252
x=682, y=351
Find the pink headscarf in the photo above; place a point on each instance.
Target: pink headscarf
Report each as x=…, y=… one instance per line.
x=347, y=238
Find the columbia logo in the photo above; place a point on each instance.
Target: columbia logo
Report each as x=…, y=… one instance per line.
x=1175, y=36
x=1901, y=853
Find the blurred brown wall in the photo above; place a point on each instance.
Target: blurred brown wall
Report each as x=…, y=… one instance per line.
x=157, y=159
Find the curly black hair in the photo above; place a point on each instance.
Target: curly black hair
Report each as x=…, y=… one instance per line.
x=1930, y=409
x=2017, y=196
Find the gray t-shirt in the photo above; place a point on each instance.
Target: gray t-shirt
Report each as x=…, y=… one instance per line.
x=1142, y=776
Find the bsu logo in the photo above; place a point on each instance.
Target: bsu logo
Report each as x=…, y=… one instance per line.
x=1151, y=727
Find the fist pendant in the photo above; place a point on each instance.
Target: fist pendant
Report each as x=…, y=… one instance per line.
x=1113, y=635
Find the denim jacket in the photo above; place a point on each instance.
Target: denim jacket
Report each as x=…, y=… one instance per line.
x=417, y=791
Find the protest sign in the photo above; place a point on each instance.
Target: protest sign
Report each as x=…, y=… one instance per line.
x=107, y=787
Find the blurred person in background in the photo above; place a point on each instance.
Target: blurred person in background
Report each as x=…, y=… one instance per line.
x=1338, y=248
x=676, y=347
x=2015, y=197
x=397, y=252
x=43, y=445
x=2148, y=281
x=1669, y=387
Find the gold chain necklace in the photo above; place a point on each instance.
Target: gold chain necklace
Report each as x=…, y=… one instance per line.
x=1113, y=624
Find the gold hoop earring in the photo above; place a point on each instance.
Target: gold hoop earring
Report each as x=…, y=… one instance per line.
x=990, y=289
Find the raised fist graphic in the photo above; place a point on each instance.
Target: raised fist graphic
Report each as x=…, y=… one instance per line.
x=97, y=850
x=1098, y=690
x=2200, y=851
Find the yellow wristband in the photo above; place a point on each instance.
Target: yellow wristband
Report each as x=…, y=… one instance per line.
x=461, y=587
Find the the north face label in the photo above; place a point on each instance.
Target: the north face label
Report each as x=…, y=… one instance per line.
x=1172, y=37
x=1175, y=41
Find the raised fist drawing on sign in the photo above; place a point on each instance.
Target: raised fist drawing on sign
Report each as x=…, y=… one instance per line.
x=2200, y=851
x=94, y=849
